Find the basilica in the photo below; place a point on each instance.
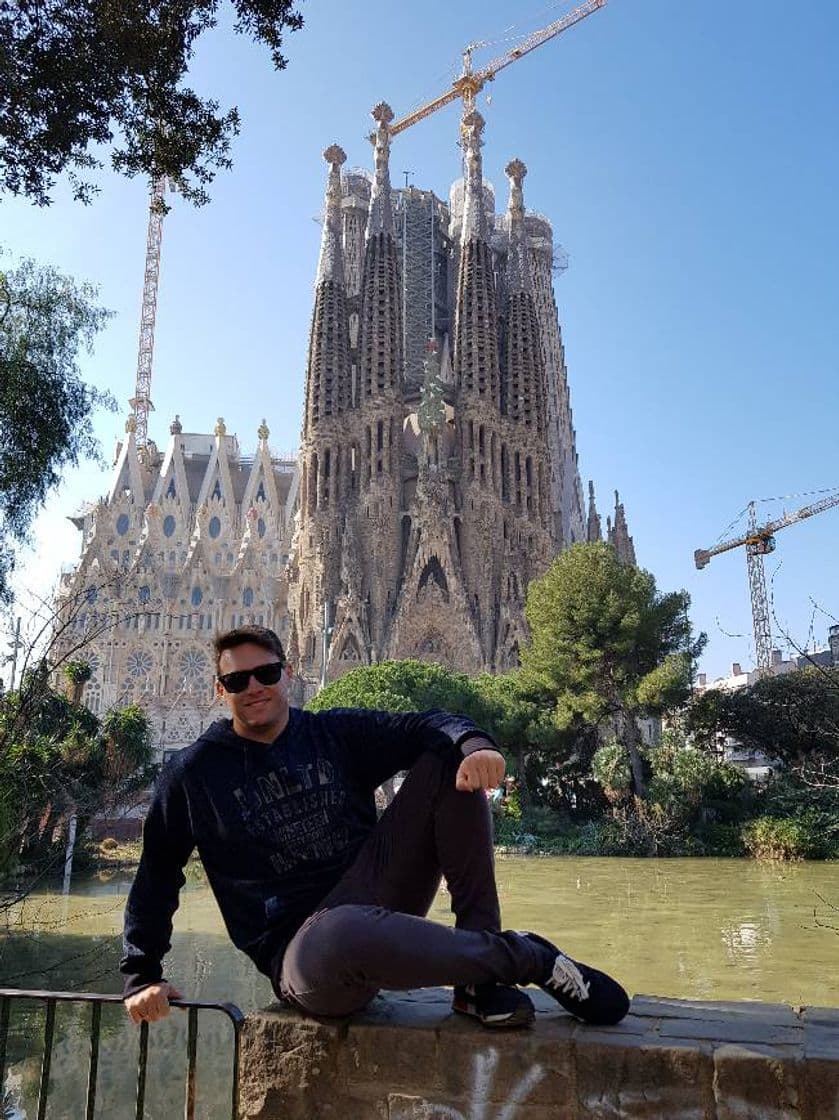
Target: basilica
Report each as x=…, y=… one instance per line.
x=437, y=472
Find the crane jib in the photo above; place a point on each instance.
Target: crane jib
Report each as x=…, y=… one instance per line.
x=470, y=82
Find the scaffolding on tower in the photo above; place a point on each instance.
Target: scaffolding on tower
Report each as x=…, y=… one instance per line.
x=141, y=404
x=423, y=244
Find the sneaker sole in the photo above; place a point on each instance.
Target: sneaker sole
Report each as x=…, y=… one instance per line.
x=521, y=1017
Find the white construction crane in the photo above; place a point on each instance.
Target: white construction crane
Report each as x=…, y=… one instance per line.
x=760, y=540
x=141, y=401
x=470, y=82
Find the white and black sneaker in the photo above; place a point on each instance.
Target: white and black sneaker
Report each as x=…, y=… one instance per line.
x=585, y=992
x=495, y=1005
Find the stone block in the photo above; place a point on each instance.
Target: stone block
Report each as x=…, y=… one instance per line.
x=640, y=1080
x=757, y=1083
x=821, y=1088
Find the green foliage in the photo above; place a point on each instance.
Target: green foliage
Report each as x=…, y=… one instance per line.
x=75, y=72
x=689, y=778
x=520, y=722
x=58, y=758
x=77, y=672
x=126, y=738
x=787, y=793
x=605, y=641
x=45, y=408
x=610, y=767
x=723, y=840
x=793, y=718
x=607, y=648
x=780, y=838
x=403, y=686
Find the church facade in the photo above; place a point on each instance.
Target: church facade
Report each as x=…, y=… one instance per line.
x=437, y=473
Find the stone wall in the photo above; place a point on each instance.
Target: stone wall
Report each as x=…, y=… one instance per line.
x=408, y=1058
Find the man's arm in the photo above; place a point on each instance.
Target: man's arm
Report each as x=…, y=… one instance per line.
x=153, y=899
x=383, y=743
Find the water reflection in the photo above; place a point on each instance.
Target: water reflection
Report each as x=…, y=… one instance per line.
x=697, y=929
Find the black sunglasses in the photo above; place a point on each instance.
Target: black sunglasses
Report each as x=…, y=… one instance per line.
x=239, y=681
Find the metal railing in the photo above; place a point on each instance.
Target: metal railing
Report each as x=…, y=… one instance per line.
x=52, y=999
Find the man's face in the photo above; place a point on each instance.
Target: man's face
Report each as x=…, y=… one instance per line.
x=260, y=711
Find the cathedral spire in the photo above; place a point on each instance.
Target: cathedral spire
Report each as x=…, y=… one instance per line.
x=518, y=264
x=476, y=312
x=381, y=208
x=328, y=372
x=331, y=261
x=380, y=337
x=594, y=529
x=619, y=534
x=523, y=364
x=474, y=218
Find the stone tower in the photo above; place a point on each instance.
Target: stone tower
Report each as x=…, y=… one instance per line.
x=437, y=477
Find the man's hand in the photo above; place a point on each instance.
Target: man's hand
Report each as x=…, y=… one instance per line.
x=151, y=1003
x=482, y=769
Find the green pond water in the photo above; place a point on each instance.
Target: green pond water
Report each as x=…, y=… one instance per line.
x=696, y=929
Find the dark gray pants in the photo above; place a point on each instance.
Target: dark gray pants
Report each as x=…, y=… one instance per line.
x=371, y=933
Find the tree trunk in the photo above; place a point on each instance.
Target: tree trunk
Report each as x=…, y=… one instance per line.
x=632, y=742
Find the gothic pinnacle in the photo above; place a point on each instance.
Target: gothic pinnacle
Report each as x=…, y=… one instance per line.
x=331, y=261
x=381, y=210
x=263, y=431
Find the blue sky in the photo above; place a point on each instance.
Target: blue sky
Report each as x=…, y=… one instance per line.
x=686, y=154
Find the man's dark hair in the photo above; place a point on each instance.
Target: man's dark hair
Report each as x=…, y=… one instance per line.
x=248, y=635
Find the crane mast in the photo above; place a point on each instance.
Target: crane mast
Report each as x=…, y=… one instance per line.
x=470, y=82
x=755, y=550
x=760, y=540
x=141, y=401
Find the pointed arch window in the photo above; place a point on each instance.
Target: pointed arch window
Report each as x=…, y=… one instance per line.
x=247, y=597
x=260, y=492
x=214, y=528
x=196, y=596
x=168, y=525
x=217, y=489
x=170, y=489
x=122, y=524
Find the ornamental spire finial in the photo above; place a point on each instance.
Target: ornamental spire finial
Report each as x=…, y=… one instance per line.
x=220, y=428
x=263, y=432
x=331, y=260
x=474, y=218
x=381, y=209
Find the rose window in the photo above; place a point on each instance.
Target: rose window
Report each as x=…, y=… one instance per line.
x=194, y=666
x=139, y=664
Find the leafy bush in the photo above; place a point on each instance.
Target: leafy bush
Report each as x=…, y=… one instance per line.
x=610, y=767
x=780, y=838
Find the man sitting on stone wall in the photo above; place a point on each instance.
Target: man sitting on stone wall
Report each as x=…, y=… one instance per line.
x=326, y=901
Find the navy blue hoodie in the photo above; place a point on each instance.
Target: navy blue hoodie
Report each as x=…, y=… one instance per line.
x=275, y=825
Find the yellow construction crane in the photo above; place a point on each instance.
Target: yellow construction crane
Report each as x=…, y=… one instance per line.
x=470, y=82
x=760, y=540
